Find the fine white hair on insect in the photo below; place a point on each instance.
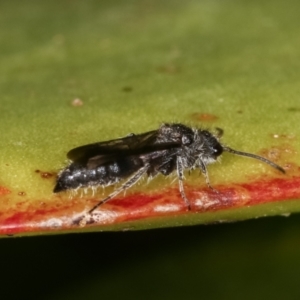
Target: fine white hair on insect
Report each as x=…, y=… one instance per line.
x=170, y=150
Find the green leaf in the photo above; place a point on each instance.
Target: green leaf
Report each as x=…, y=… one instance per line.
x=80, y=72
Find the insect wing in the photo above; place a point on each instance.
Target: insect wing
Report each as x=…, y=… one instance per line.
x=93, y=155
x=147, y=154
x=106, y=151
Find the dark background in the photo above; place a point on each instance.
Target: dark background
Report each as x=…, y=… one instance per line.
x=257, y=259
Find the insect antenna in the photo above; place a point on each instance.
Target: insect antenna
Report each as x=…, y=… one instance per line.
x=236, y=152
x=219, y=132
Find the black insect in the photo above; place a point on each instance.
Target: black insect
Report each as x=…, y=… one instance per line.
x=173, y=147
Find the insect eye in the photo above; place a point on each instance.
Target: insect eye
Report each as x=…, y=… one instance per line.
x=218, y=150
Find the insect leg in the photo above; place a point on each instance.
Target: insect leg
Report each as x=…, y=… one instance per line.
x=203, y=169
x=180, y=181
x=129, y=183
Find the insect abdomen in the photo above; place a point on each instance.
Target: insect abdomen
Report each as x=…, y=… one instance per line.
x=77, y=176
